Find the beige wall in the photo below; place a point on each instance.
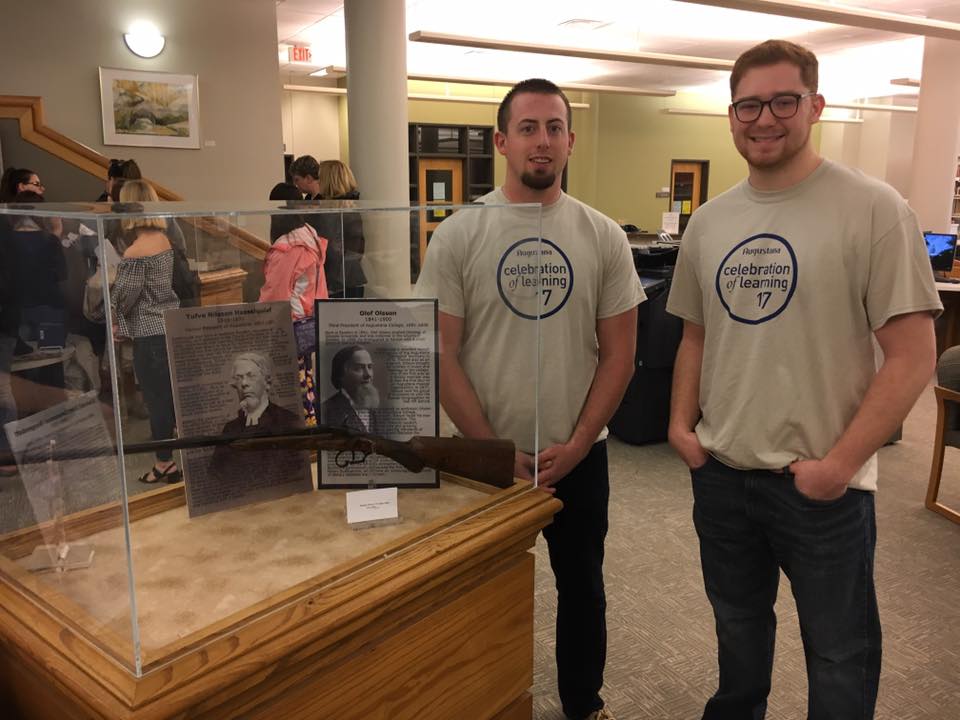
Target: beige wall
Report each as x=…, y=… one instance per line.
x=636, y=142
x=311, y=124
x=53, y=49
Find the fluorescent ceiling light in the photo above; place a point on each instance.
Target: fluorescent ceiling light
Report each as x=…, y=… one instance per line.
x=688, y=61
x=333, y=72
x=418, y=96
x=582, y=87
x=843, y=15
x=718, y=113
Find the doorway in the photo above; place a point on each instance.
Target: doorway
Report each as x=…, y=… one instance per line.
x=441, y=183
x=688, y=187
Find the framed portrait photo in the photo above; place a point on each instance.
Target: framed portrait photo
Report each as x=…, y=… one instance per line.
x=149, y=109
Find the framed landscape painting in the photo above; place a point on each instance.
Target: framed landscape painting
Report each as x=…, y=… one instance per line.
x=149, y=109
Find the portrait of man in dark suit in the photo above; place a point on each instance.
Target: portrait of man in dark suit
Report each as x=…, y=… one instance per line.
x=355, y=403
x=251, y=379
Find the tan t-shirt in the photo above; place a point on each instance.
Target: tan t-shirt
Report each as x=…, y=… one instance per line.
x=482, y=266
x=790, y=287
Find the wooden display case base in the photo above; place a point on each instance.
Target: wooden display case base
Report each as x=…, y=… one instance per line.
x=441, y=628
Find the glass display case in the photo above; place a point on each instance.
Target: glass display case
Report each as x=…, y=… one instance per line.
x=227, y=465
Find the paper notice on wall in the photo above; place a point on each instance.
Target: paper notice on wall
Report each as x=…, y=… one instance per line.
x=670, y=221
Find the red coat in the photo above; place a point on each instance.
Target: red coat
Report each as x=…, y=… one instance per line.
x=293, y=271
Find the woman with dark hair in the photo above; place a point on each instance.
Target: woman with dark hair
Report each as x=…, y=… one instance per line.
x=338, y=188
x=293, y=272
x=40, y=270
x=19, y=180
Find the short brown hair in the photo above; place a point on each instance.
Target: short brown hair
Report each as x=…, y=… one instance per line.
x=138, y=191
x=305, y=166
x=537, y=86
x=772, y=52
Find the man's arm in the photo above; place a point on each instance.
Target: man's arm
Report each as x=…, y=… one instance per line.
x=617, y=342
x=909, y=359
x=458, y=397
x=685, y=396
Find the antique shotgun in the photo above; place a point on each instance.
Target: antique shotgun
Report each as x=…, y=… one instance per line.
x=486, y=461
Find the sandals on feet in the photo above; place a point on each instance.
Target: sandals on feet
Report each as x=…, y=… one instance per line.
x=171, y=475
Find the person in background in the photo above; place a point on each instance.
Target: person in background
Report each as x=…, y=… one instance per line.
x=305, y=171
x=40, y=270
x=118, y=172
x=293, y=272
x=143, y=289
x=19, y=180
x=9, y=330
x=338, y=189
x=778, y=408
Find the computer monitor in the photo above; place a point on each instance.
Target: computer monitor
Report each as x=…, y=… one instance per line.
x=941, y=247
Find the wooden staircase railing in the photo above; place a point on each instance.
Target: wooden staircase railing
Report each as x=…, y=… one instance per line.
x=28, y=111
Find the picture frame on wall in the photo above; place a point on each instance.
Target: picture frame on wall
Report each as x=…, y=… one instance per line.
x=149, y=109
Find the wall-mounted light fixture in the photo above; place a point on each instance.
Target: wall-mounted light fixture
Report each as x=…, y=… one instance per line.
x=144, y=39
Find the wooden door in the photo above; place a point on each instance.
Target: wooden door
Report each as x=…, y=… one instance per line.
x=441, y=183
x=688, y=187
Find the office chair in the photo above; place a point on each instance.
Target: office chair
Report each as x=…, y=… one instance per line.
x=947, y=391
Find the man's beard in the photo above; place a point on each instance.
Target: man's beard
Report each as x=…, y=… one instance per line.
x=366, y=397
x=538, y=182
x=250, y=403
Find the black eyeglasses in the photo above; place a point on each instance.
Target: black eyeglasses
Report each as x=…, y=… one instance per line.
x=35, y=183
x=783, y=106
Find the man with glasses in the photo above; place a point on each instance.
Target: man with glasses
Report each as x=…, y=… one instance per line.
x=783, y=283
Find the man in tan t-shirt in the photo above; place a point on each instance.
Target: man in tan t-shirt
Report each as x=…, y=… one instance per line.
x=783, y=283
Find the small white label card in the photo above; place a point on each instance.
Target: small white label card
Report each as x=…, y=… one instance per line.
x=365, y=506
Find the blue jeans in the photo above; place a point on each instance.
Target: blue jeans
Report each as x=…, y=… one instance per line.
x=153, y=374
x=751, y=524
x=575, y=540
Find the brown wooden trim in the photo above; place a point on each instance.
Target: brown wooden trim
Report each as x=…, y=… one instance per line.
x=943, y=395
x=33, y=129
x=323, y=622
x=20, y=543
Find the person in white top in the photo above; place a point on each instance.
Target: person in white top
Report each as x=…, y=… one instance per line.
x=783, y=283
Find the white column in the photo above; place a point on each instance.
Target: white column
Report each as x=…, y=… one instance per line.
x=376, y=40
x=937, y=136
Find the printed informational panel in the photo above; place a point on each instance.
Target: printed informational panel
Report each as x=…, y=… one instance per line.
x=234, y=371
x=377, y=370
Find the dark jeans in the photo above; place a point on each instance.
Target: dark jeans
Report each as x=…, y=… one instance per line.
x=575, y=541
x=153, y=374
x=753, y=523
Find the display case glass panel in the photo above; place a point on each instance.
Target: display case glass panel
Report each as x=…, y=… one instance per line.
x=136, y=335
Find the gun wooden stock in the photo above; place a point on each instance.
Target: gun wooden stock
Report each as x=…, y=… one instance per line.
x=486, y=461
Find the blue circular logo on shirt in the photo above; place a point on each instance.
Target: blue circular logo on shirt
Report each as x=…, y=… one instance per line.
x=757, y=279
x=526, y=293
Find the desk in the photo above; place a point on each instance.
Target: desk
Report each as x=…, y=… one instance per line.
x=948, y=332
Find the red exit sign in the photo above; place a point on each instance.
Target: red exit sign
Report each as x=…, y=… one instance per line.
x=299, y=54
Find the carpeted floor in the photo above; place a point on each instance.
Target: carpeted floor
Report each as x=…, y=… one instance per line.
x=661, y=654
